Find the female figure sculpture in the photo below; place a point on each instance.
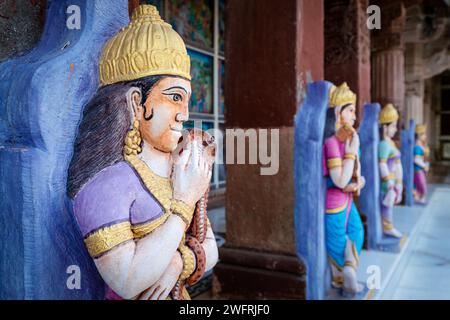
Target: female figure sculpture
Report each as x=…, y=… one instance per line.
x=391, y=172
x=421, y=164
x=343, y=227
x=134, y=188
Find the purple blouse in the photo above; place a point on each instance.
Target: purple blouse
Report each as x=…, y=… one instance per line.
x=112, y=200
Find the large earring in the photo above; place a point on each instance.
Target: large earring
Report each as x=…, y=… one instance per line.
x=133, y=141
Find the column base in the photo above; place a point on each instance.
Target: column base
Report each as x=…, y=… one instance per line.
x=245, y=274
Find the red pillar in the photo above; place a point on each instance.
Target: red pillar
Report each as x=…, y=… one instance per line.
x=388, y=59
x=272, y=48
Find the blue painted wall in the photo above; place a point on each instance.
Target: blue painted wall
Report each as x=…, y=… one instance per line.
x=310, y=187
x=370, y=194
x=407, y=149
x=41, y=98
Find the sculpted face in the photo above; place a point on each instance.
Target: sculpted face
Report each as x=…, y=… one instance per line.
x=423, y=137
x=348, y=115
x=164, y=111
x=391, y=129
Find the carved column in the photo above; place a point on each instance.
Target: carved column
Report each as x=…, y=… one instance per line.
x=426, y=55
x=347, y=46
x=388, y=62
x=272, y=48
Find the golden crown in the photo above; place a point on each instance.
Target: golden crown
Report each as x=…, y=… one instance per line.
x=342, y=95
x=388, y=114
x=421, y=128
x=147, y=46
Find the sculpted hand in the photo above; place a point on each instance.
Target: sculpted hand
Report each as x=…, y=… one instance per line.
x=399, y=192
x=352, y=146
x=362, y=182
x=351, y=187
x=354, y=186
x=160, y=290
x=191, y=175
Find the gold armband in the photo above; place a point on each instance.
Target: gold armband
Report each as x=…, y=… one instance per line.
x=188, y=257
x=334, y=162
x=397, y=161
x=399, y=181
x=350, y=156
x=182, y=210
x=382, y=160
x=104, y=239
x=390, y=176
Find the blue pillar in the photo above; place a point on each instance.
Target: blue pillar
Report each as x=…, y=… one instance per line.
x=369, y=200
x=407, y=149
x=310, y=187
x=41, y=100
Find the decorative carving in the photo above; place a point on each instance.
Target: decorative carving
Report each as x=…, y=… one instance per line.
x=393, y=22
x=342, y=27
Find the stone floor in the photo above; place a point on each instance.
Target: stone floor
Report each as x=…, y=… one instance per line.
x=425, y=271
x=421, y=270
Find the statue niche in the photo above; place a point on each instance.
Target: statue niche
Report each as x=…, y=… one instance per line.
x=421, y=164
x=327, y=174
x=391, y=170
x=138, y=181
x=344, y=232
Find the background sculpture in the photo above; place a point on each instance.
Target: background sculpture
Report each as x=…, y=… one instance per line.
x=421, y=164
x=391, y=172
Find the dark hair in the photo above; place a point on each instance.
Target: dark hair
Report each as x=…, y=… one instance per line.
x=330, y=121
x=381, y=131
x=100, y=139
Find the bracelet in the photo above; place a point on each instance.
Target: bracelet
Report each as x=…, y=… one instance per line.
x=182, y=210
x=200, y=258
x=399, y=181
x=390, y=176
x=188, y=257
x=351, y=156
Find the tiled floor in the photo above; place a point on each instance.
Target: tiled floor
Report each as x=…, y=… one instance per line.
x=427, y=273
x=425, y=269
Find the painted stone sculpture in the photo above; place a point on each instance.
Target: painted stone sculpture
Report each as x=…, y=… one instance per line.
x=138, y=187
x=421, y=164
x=343, y=227
x=391, y=172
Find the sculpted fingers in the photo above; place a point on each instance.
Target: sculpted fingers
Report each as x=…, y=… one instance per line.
x=164, y=294
x=195, y=154
x=184, y=158
x=148, y=293
x=155, y=295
